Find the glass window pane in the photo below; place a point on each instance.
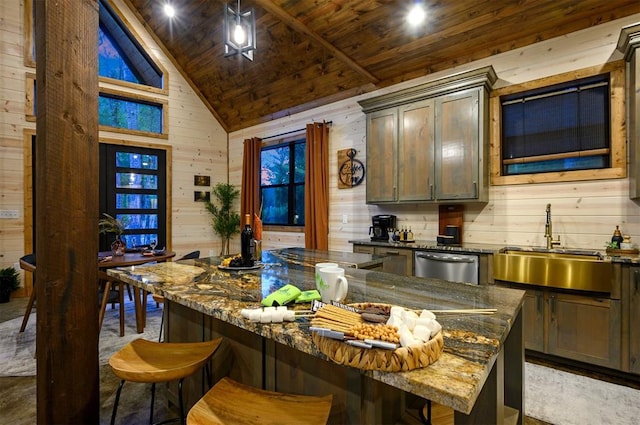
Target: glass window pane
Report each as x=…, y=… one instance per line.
x=140, y=240
x=274, y=165
x=111, y=63
x=139, y=221
x=567, y=118
x=299, y=155
x=299, y=209
x=136, y=181
x=135, y=160
x=275, y=205
x=133, y=201
x=128, y=114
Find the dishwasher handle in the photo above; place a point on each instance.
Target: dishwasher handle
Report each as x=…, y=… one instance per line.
x=447, y=259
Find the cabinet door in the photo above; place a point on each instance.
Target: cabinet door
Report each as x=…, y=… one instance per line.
x=398, y=261
x=382, y=138
x=634, y=320
x=457, y=138
x=585, y=329
x=416, y=152
x=363, y=249
x=533, y=311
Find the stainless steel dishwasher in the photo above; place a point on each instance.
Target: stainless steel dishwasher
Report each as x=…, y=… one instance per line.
x=449, y=266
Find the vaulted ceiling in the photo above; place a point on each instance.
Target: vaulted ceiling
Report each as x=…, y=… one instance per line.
x=314, y=52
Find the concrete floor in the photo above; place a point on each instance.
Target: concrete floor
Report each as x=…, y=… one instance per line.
x=18, y=394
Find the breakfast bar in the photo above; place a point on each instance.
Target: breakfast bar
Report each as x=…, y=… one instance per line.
x=479, y=375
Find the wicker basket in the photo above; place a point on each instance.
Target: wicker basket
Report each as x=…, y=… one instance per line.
x=400, y=359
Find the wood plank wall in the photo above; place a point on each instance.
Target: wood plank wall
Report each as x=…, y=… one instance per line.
x=197, y=141
x=584, y=214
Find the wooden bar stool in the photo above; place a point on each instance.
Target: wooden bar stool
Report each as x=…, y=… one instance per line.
x=153, y=362
x=230, y=402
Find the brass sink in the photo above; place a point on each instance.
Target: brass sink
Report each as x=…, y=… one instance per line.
x=585, y=271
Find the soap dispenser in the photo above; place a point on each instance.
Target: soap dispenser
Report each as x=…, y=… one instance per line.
x=617, y=238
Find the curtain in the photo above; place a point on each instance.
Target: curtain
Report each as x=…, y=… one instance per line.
x=316, y=182
x=250, y=199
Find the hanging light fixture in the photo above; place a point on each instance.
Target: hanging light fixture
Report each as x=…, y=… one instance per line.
x=239, y=31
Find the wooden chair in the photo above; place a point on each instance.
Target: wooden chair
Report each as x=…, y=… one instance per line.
x=28, y=263
x=110, y=295
x=159, y=299
x=154, y=362
x=230, y=402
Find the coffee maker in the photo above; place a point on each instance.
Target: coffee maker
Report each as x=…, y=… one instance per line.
x=380, y=226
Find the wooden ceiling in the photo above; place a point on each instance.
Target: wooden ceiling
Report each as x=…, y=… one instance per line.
x=313, y=52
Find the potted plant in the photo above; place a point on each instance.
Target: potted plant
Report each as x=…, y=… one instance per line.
x=9, y=282
x=225, y=222
x=110, y=224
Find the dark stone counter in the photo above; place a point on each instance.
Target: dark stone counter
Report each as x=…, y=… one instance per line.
x=473, y=343
x=478, y=248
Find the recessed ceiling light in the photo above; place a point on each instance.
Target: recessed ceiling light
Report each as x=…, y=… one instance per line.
x=416, y=15
x=169, y=10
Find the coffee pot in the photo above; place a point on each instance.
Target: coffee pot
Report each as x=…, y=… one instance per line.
x=381, y=224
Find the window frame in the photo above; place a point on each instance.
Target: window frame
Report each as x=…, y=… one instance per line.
x=291, y=142
x=617, y=113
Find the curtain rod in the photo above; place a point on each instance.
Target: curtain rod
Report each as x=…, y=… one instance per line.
x=292, y=131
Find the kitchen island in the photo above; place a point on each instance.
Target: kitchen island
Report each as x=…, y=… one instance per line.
x=479, y=375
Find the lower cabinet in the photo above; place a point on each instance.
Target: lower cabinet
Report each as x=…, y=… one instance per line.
x=573, y=326
x=398, y=260
x=533, y=312
x=634, y=320
x=585, y=329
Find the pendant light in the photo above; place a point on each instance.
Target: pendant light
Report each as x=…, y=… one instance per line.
x=239, y=31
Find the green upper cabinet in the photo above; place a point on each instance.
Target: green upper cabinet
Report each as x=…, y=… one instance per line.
x=430, y=143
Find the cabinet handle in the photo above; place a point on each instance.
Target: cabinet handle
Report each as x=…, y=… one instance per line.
x=553, y=305
x=392, y=252
x=475, y=189
x=636, y=279
x=431, y=191
x=539, y=302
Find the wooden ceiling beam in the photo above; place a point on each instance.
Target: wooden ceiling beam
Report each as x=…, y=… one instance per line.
x=302, y=28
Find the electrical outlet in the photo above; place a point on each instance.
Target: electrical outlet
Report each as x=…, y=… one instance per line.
x=211, y=254
x=9, y=214
x=344, y=219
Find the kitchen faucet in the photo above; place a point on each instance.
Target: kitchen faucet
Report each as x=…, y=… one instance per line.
x=548, y=232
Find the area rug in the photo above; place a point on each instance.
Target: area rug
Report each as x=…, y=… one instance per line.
x=564, y=398
x=17, y=349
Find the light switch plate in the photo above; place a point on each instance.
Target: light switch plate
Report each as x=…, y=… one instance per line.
x=344, y=219
x=9, y=214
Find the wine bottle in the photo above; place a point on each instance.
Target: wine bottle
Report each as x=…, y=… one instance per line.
x=246, y=242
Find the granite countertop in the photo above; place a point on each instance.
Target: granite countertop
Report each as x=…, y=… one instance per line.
x=472, y=248
x=472, y=342
x=478, y=248
x=309, y=257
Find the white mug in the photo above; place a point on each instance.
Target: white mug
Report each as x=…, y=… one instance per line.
x=322, y=266
x=332, y=284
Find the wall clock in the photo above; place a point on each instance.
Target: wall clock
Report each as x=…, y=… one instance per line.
x=350, y=170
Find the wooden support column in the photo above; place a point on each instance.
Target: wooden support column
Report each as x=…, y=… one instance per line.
x=67, y=211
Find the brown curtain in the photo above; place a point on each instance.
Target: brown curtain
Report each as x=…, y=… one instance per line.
x=316, y=182
x=250, y=199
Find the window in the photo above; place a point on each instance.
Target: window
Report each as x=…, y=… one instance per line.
x=120, y=56
x=119, y=112
x=559, y=128
x=133, y=189
x=562, y=128
x=282, y=171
